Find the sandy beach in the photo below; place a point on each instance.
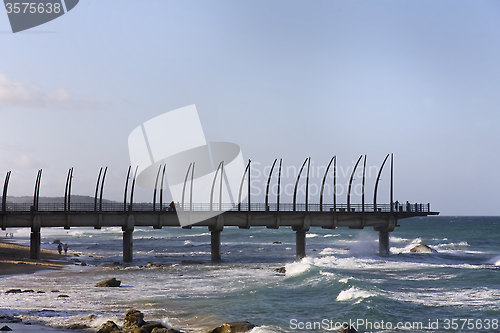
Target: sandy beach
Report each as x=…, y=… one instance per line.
x=15, y=259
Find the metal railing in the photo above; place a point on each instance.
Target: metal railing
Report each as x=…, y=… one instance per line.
x=206, y=207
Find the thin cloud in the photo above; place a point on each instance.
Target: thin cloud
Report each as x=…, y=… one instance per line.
x=19, y=95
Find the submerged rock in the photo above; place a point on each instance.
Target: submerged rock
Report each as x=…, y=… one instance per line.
x=109, y=327
x=423, y=248
x=113, y=282
x=77, y=327
x=234, y=327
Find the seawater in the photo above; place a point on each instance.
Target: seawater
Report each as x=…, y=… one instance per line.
x=342, y=279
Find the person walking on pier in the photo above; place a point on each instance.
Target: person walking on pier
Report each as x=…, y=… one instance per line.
x=65, y=247
x=59, y=248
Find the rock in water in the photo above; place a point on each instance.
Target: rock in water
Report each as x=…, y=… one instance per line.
x=109, y=327
x=281, y=270
x=152, y=325
x=13, y=291
x=239, y=326
x=133, y=320
x=164, y=330
x=349, y=329
x=113, y=282
x=422, y=248
x=77, y=327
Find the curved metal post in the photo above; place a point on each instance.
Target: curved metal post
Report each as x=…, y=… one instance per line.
x=66, y=191
x=392, y=183
x=38, y=190
x=69, y=189
x=161, y=187
x=184, y=186
x=307, y=184
x=350, y=183
x=249, y=183
x=296, y=184
x=323, y=185
x=132, y=188
x=102, y=188
x=126, y=186
x=213, y=185
x=241, y=185
x=279, y=188
x=97, y=190
x=156, y=185
x=191, y=191
x=267, y=187
x=5, y=186
x=376, y=184
x=220, y=191
x=36, y=195
x=363, y=187
x=335, y=185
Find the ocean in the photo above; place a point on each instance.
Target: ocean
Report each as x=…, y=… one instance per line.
x=342, y=279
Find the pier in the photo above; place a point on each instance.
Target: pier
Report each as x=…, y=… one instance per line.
x=300, y=217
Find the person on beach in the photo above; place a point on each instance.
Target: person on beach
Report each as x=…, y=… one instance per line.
x=65, y=247
x=59, y=248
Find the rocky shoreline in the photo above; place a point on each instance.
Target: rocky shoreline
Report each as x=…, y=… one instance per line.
x=133, y=323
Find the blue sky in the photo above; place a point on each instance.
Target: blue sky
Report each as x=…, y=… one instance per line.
x=288, y=79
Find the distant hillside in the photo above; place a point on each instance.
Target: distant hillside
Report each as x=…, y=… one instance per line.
x=74, y=199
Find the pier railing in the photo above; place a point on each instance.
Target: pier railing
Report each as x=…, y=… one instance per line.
x=204, y=207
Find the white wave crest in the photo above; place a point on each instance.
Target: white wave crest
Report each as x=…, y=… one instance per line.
x=353, y=293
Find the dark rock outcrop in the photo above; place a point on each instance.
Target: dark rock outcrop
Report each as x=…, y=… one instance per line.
x=109, y=327
x=10, y=319
x=349, y=329
x=423, y=248
x=152, y=325
x=13, y=291
x=281, y=270
x=154, y=265
x=164, y=330
x=133, y=319
x=234, y=327
x=113, y=282
x=77, y=327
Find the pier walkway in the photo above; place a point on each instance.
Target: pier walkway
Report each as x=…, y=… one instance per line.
x=214, y=215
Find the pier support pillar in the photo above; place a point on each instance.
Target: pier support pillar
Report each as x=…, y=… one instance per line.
x=35, y=238
x=128, y=253
x=128, y=229
x=300, y=241
x=383, y=242
x=35, y=245
x=215, y=240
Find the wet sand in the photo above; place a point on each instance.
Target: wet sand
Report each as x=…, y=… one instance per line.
x=15, y=259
